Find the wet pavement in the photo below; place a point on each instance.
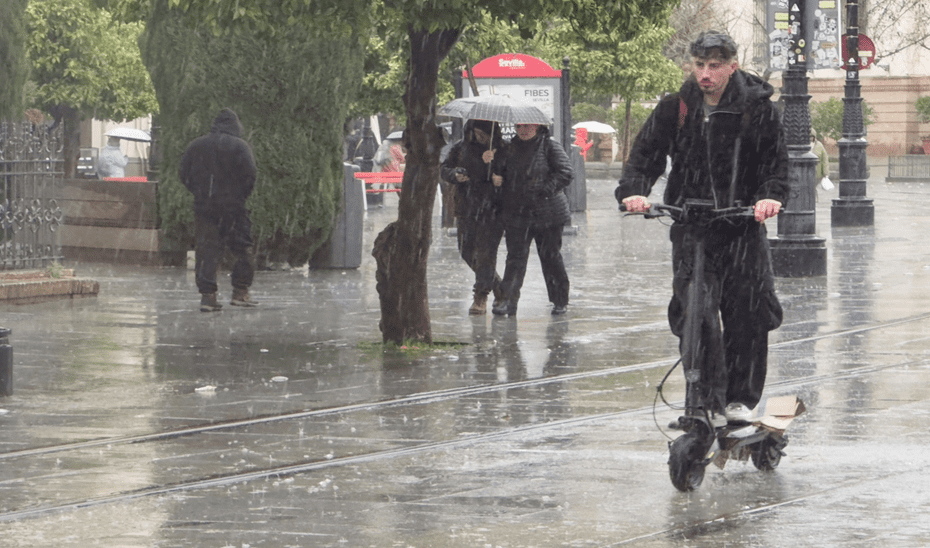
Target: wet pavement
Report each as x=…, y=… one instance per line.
x=138, y=421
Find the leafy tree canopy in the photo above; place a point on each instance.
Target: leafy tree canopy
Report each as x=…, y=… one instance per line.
x=827, y=117
x=83, y=59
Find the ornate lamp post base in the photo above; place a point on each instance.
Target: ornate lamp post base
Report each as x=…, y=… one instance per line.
x=853, y=208
x=799, y=258
x=797, y=251
x=852, y=212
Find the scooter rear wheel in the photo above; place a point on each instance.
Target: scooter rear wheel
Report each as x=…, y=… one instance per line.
x=766, y=455
x=686, y=460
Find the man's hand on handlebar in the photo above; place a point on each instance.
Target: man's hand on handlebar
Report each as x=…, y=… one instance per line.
x=636, y=204
x=766, y=209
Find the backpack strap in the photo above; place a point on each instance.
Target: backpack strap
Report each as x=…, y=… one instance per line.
x=682, y=112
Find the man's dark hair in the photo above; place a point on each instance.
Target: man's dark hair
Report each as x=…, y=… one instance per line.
x=708, y=41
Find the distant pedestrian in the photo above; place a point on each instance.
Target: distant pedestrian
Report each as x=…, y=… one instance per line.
x=478, y=227
x=390, y=156
x=823, y=163
x=219, y=169
x=111, y=162
x=532, y=174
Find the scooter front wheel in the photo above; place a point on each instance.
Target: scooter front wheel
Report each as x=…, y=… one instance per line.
x=686, y=460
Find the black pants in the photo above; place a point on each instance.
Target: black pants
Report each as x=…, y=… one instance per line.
x=479, y=238
x=740, y=291
x=215, y=232
x=518, y=237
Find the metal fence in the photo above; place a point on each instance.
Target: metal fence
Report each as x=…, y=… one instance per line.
x=31, y=177
x=913, y=167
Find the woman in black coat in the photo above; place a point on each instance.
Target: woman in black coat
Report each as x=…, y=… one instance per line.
x=532, y=173
x=478, y=227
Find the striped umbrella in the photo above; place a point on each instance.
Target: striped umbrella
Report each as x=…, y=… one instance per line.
x=495, y=108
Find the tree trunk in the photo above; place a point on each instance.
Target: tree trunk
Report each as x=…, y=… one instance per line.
x=71, y=121
x=402, y=248
x=625, y=149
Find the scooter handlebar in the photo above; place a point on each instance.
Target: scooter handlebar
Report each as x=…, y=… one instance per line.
x=694, y=211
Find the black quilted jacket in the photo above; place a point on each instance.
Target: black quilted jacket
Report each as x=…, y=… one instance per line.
x=534, y=194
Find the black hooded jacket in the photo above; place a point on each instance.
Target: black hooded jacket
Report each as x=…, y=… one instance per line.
x=218, y=168
x=736, y=153
x=478, y=194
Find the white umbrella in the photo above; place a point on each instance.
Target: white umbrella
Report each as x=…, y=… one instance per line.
x=495, y=108
x=594, y=127
x=130, y=134
x=395, y=135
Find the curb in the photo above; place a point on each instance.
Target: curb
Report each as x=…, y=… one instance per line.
x=33, y=286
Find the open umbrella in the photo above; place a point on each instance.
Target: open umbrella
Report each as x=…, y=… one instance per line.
x=130, y=134
x=395, y=135
x=496, y=108
x=594, y=127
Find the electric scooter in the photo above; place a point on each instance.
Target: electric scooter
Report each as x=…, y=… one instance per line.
x=707, y=437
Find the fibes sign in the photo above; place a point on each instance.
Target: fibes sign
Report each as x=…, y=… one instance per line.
x=521, y=77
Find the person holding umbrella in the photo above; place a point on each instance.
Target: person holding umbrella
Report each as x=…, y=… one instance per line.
x=479, y=231
x=111, y=162
x=532, y=173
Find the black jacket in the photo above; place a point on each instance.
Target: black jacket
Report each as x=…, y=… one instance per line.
x=737, y=153
x=218, y=168
x=535, y=172
x=476, y=198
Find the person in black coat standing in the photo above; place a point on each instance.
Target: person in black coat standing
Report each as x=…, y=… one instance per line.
x=479, y=230
x=219, y=170
x=532, y=174
x=727, y=146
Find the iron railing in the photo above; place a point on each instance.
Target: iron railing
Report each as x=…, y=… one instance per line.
x=31, y=176
x=910, y=168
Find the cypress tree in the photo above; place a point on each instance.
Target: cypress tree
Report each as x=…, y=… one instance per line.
x=291, y=92
x=13, y=68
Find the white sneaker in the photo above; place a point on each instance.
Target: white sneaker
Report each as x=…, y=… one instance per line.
x=738, y=412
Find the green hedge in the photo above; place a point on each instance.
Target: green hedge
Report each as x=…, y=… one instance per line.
x=292, y=94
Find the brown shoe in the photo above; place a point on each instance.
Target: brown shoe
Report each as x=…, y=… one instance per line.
x=480, y=306
x=208, y=303
x=240, y=297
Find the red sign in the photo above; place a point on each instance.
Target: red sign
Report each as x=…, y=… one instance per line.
x=866, y=52
x=513, y=65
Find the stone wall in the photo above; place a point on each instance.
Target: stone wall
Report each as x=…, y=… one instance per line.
x=113, y=220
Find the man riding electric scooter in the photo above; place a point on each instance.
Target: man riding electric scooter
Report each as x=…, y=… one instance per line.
x=727, y=147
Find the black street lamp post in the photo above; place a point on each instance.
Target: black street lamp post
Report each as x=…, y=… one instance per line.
x=798, y=251
x=852, y=208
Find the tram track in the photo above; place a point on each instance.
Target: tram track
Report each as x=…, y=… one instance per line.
x=418, y=398
x=294, y=468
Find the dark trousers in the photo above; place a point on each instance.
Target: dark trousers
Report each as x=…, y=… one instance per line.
x=740, y=295
x=478, y=240
x=518, y=237
x=215, y=233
